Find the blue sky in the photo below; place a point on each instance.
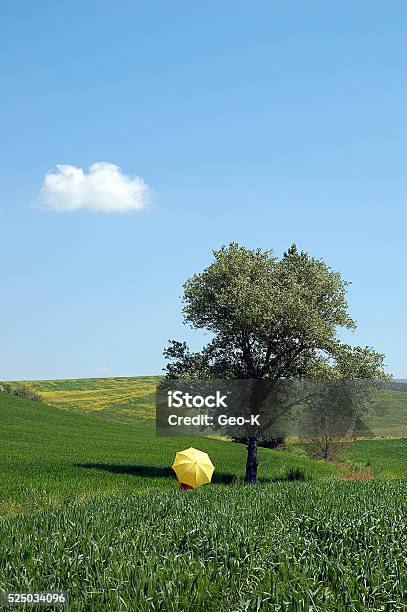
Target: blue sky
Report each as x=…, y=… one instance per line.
x=261, y=122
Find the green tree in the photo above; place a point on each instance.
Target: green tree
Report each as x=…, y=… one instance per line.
x=270, y=319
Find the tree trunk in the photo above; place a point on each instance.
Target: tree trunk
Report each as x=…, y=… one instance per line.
x=325, y=451
x=251, y=463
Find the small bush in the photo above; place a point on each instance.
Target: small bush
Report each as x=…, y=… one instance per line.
x=27, y=393
x=328, y=448
x=277, y=441
x=6, y=388
x=295, y=474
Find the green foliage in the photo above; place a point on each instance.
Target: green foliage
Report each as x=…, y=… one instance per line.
x=276, y=441
x=270, y=318
x=27, y=393
x=295, y=474
x=289, y=546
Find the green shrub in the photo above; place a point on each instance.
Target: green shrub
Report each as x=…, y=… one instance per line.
x=277, y=441
x=27, y=393
x=295, y=473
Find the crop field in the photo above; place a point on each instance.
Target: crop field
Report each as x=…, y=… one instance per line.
x=112, y=396
x=282, y=546
x=89, y=505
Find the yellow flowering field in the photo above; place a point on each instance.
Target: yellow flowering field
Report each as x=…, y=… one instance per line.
x=125, y=396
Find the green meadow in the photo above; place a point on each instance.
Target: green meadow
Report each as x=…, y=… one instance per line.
x=52, y=456
x=89, y=505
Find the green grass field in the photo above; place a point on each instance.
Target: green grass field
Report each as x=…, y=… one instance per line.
x=284, y=546
x=51, y=456
x=89, y=505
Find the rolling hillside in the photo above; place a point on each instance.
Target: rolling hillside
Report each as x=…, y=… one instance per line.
x=135, y=397
x=53, y=456
x=89, y=505
x=97, y=436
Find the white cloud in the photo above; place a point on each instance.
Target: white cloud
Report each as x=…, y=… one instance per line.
x=105, y=188
x=103, y=369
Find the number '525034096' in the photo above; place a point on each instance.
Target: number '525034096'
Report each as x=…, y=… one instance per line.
x=45, y=598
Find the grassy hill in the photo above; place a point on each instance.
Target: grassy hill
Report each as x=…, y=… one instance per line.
x=89, y=505
x=126, y=396
x=52, y=456
x=390, y=417
x=135, y=397
x=97, y=436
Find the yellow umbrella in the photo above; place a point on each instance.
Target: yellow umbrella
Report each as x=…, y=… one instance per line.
x=193, y=467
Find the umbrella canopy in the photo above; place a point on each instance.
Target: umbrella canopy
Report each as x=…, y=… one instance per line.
x=193, y=467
